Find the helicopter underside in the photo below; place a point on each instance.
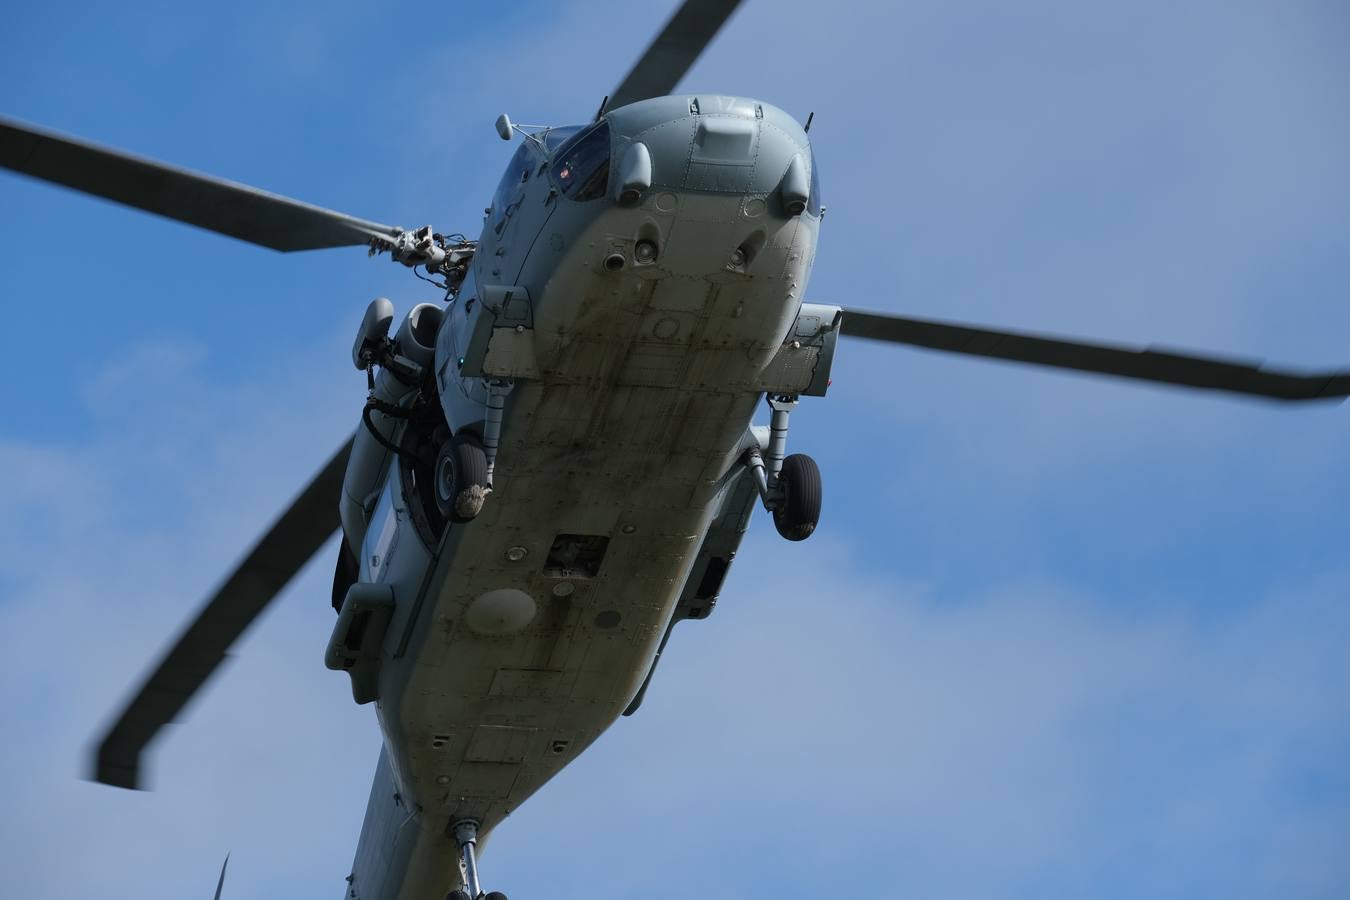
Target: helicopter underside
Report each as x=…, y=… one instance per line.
x=528, y=631
x=486, y=718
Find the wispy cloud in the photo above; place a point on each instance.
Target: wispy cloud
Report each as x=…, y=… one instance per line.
x=1036, y=739
x=1055, y=637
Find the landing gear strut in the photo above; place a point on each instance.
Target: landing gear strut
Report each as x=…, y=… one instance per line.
x=466, y=833
x=789, y=486
x=497, y=389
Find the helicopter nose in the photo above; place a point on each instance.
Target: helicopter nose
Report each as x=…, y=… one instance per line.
x=708, y=144
x=711, y=186
x=722, y=154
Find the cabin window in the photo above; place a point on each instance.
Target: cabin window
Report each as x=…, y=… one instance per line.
x=581, y=164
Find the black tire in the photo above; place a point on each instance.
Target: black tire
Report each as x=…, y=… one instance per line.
x=439, y=436
x=460, y=477
x=797, y=514
x=495, y=895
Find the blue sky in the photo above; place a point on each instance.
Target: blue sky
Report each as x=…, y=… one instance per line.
x=1055, y=637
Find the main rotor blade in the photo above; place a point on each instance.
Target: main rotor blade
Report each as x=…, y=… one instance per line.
x=1143, y=364
x=215, y=204
x=269, y=566
x=665, y=61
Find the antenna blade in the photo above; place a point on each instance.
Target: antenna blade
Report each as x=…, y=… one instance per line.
x=290, y=543
x=221, y=883
x=215, y=204
x=1139, y=363
x=663, y=64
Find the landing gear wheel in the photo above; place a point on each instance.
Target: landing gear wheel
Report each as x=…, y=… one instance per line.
x=495, y=895
x=799, y=511
x=461, y=478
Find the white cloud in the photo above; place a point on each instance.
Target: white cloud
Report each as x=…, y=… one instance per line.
x=823, y=724
x=1151, y=703
x=830, y=720
x=107, y=549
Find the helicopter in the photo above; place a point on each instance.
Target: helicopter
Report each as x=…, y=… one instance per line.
x=498, y=491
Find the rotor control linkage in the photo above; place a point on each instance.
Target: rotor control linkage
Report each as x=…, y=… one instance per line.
x=439, y=254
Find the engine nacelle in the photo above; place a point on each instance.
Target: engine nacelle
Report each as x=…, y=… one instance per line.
x=415, y=344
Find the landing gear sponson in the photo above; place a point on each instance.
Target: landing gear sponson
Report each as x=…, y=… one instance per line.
x=466, y=833
x=789, y=486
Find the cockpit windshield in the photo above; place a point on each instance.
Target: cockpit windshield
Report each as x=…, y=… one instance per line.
x=554, y=137
x=580, y=165
x=813, y=199
x=517, y=173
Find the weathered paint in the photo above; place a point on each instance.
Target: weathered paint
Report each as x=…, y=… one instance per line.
x=633, y=398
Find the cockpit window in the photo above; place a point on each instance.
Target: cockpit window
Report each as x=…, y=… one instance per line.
x=555, y=136
x=517, y=172
x=581, y=164
x=813, y=198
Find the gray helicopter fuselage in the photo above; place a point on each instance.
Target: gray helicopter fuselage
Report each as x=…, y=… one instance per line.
x=618, y=496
